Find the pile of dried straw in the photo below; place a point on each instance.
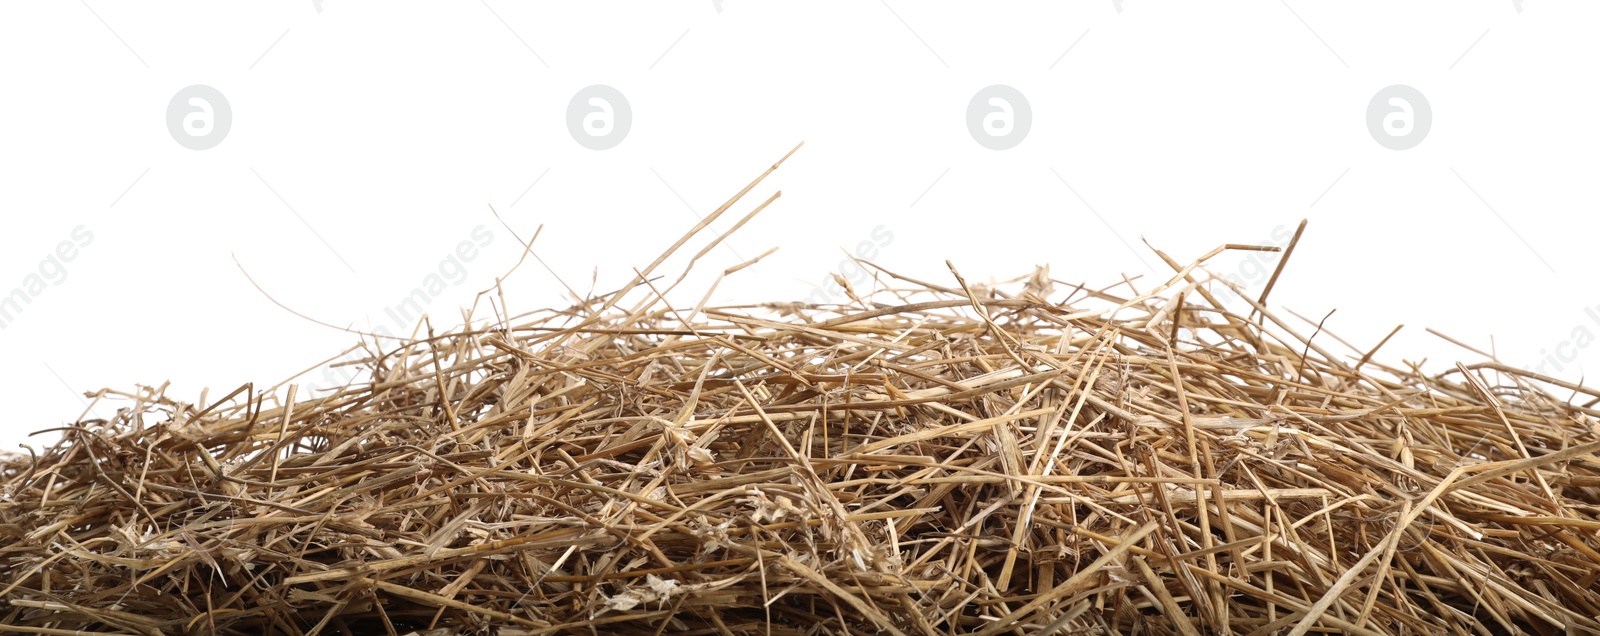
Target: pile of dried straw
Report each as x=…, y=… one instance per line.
x=929, y=459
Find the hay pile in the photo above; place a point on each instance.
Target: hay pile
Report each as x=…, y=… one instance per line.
x=931, y=459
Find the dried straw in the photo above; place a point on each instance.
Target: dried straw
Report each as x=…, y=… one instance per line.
x=928, y=459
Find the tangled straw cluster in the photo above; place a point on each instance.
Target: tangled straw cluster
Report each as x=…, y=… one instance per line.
x=1019, y=458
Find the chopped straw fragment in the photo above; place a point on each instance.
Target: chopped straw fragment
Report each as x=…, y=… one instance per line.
x=929, y=459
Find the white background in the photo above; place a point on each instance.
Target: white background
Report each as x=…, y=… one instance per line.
x=369, y=139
